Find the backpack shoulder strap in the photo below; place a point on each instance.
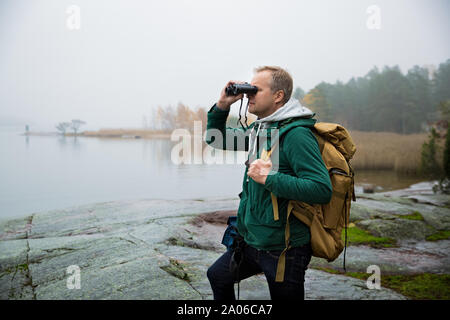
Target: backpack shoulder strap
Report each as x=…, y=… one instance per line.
x=266, y=156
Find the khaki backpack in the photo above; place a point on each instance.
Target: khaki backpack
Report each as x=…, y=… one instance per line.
x=325, y=220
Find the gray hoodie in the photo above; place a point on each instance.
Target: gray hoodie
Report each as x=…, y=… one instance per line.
x=291, y=109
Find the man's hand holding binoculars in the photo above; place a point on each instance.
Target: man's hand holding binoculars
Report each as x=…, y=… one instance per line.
x=225, y=101
x=234, y=91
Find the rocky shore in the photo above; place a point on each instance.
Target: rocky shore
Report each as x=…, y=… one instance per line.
x=161, y=249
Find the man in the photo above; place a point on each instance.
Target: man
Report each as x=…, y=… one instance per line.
x=301, y=175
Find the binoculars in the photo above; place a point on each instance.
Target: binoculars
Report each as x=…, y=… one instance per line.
x=235, y=89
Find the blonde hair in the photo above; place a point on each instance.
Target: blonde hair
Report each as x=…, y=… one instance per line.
x=281, y=80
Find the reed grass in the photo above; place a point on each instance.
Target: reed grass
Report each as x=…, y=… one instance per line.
x=390, y=151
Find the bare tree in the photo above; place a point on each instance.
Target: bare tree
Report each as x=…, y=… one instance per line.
x=202, y=115
x=168, y=118
x=63, y=126
x=165, y=118
x=76, y=124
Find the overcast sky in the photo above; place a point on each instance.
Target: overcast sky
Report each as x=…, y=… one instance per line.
x=131, y=56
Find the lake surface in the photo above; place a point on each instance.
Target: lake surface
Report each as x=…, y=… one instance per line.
x=40, y=173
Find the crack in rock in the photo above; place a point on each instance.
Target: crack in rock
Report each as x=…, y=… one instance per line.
x=28, y=274
x=175, y=268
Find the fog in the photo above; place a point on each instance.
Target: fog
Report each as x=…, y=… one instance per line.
x=128, y=57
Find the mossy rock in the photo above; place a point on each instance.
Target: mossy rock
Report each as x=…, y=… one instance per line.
x=357, y=236
x=360, y=212
x=440, y=235
x=437, y=217
x=384, y=205
x=413, y=216
x=397, y=228
x=176, y=269
x=424, y=286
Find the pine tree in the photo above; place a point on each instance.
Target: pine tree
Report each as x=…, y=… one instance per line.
x=429, y=165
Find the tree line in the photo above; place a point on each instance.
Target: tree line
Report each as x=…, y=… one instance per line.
x=385, y=100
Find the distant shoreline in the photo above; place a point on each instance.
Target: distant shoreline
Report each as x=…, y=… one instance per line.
x=375, y=150
x=110, y=133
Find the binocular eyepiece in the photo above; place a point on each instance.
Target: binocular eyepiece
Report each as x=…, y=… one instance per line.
x=236, y=89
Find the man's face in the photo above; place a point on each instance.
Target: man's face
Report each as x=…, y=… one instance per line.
x=262, y=103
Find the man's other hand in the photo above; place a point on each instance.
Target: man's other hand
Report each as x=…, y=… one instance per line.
x=259, y=170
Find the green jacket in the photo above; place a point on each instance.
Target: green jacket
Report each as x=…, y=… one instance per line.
x=301, y=175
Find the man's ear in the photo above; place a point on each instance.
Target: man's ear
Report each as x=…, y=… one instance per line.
x=279, y=96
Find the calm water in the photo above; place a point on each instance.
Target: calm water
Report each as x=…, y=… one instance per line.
x=50, y=172
x=41, y=173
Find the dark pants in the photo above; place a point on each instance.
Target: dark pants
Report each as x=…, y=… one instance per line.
x=257, y=261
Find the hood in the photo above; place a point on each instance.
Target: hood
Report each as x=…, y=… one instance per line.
x=291, y=109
